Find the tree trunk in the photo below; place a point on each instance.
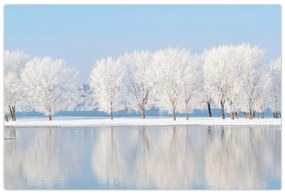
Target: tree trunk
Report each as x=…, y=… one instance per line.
x=244, y=115
x=262, y=115
x=13, y=112
x=232, y=115
x=209, y=109
x=187, y=116
x=6, y=117
x=223, y=109
x=111, y=111
x=274, y=115
x=111, y=114
x=174, y=114
x=49, y=117
x=143, y=113
x=250, y=114
x=236, y=115
x=279, y=114
x=253, y=114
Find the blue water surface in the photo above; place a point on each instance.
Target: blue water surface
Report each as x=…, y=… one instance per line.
x=157, y=157
x=149, y=113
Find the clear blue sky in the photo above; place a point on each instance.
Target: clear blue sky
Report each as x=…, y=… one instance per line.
x=82, y=34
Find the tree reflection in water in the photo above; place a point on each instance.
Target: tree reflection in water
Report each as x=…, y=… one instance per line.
x=166, y=157
x=38, y=159
x=182, y=158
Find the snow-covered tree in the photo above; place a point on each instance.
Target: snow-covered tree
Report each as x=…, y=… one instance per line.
x=252, y=63
x=263, y=98
x=275, y=71
x=203, y=97
x=51, y=85
x=140, y=80
x=233, y=57
x=172, y=63
x=233, y=75
x=217, y=74
x=12, y=94
x=106, y=82
x=14, y=62
x=191, y=78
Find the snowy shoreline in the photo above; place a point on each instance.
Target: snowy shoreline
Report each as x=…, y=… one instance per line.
x=139, y=122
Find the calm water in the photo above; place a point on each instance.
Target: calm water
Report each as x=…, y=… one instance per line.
x=168, y=157
x=150, y=113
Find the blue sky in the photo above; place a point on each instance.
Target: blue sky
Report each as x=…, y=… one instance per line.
x=82, y=34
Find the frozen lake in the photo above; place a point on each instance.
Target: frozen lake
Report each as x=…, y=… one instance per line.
x=161, y=157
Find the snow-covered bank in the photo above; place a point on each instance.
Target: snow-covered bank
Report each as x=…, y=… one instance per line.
x=140, y=122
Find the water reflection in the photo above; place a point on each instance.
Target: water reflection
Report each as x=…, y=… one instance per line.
x=181, y=157
x=38, y=159
x=243, y=158
x=185, y=158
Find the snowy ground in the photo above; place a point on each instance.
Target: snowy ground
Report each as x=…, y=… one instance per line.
x=82, y=122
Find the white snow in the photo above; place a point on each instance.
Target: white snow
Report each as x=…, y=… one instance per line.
x=82, y=122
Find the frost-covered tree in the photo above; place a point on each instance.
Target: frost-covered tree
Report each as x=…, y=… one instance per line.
x=233, y=56
x=232, y=97
x=191, y=78
x=140, y=80
x=275, y=71
x=217, y=74
x=233, y=75
x=12, y=94
x=51, y=85
x=263, y=98
x=106, y=82
x=14, y=63
x=252, y=63
x=203, y=97
x=172, y=63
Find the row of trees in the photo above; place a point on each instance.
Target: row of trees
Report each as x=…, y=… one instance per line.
x=237, y=78
x=234, y=78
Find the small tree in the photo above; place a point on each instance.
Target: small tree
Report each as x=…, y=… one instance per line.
x=275, y=94
x=203, y=96
x=191, y=78
x=252, y=63
x=140, y=80
x=171, y=65
x=216, y=73
x=106, y=82
x=51, y=85
x=14, y=63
